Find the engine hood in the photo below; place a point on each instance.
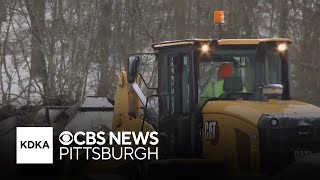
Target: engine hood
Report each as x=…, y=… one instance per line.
x=251, y=111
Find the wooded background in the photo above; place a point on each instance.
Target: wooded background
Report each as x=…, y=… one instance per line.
x=58, y=51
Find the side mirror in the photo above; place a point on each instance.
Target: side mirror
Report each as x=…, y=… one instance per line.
x=272, y=91
x=240, y=61
x=243, y=62
x=133, y=69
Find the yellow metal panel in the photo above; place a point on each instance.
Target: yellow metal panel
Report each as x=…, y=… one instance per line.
x=220, y=42
x=243, y=116
x=172, y=44
x=251, y=111
x=238, y=41
x=121, y=105
x=250, y=41
x=225, y=151
x=277, y=40
x=124, y=98
x=125, y=101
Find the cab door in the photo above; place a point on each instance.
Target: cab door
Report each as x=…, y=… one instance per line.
x=176, y=95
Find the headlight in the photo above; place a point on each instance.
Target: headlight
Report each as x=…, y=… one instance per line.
x=282, y=47
x=205, y=48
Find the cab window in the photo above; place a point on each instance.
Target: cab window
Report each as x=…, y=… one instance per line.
x=272, y=67
x=226, y=71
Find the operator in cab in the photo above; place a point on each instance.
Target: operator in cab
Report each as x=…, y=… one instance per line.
x=216, y=88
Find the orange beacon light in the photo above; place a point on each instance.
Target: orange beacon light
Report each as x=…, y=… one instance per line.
x=218, y=17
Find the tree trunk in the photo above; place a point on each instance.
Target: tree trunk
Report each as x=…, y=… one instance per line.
x=36, y=12
x=104, y=31
x=284, y=12
x=180, y=19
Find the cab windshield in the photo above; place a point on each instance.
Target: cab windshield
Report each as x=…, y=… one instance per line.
x=227, y=73
x=226, y=67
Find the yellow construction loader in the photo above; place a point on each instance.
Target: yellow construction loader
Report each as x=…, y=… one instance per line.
x=225, y=103
x=220, y=107
x=223, y=106
x=221, y=103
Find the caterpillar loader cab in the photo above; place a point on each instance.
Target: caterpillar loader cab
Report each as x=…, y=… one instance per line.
x=228, y=102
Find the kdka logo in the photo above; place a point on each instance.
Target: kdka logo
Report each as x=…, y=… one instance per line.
x=34, y=145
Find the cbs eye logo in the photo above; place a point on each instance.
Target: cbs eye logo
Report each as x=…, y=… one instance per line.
x=66, y=138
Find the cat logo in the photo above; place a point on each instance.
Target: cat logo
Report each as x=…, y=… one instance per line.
x=211, y=132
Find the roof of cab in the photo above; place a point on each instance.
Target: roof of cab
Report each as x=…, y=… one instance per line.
x=220, y=42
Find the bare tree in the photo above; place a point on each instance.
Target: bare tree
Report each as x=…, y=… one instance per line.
x=36, y=12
